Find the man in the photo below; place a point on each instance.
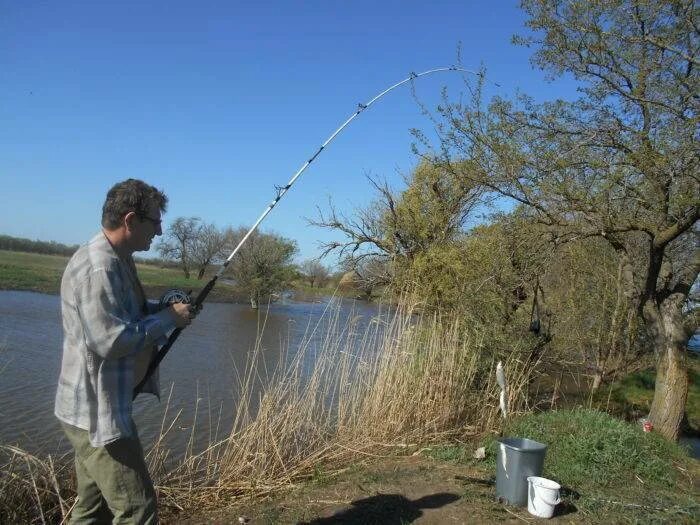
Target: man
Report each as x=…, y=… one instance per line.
x=109, y=335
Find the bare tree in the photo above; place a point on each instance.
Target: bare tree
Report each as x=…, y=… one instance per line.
x=178, y=241
x=194, y=244
x=207, y=247
x=314, y=272
x=367, y=274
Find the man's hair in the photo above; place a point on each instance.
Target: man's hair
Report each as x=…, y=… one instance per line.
x=130, y=195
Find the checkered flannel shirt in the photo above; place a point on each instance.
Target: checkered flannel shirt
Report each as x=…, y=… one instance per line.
x=109, y=333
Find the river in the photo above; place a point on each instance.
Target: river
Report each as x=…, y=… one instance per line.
x=202, y=364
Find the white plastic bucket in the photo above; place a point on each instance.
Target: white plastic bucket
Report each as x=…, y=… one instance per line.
x=542, y=496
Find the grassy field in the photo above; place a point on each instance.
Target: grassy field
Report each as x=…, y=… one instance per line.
x=31, y=271
x=42, y=273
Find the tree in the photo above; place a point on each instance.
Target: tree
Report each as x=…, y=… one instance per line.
x=177, y=244
x=593, y=317
x=381, y=239
x=314, y=272
x=263, y=266
x=207, y=247
x=194, y=244
x=365, y=275
x=620, y=163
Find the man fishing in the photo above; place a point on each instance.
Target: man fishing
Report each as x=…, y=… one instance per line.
x=110, y=331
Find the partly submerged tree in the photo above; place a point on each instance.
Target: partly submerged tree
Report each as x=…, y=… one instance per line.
x=263, y=266
x=620, y=163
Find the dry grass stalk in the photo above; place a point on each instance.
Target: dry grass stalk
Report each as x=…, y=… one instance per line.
x=404, y=380
x=346, y=396
x=30, y=488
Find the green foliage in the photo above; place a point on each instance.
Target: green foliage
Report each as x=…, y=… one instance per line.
x=593, y=318
x=320, y=477
x=451, y=453
x=430, y=211
x=619, y=163
x=263, y=266
x=591, y=449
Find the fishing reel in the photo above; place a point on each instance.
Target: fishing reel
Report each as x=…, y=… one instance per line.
x=173, y=296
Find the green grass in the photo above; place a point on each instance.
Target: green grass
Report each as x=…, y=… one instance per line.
x=42, y=273
x=31, y=271
x=592, y=448
x=610, y=466
x=451, y=454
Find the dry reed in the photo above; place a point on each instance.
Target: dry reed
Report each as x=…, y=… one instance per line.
x=402, y=383
x=343, y=395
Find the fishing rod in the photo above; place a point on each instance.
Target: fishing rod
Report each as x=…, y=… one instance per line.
x=178, y=296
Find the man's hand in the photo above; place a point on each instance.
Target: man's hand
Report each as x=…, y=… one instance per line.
x=182, y=313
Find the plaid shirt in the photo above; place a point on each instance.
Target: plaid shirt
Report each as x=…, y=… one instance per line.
x=109, y=334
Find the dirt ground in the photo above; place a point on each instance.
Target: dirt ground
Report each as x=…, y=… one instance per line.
x=389, y=491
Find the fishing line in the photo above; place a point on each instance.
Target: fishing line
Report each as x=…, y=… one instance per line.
x=281, y=191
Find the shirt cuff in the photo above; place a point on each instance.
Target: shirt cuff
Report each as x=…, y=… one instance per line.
x=164, y=322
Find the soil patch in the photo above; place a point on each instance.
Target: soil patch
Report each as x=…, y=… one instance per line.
x=390, y=491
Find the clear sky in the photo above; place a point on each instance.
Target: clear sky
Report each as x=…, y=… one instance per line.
x=218, y=102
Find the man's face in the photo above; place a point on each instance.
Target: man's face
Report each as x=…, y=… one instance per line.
x=145, y=228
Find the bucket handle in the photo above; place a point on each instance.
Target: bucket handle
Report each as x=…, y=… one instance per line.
x=540, y=496
x=552, y=503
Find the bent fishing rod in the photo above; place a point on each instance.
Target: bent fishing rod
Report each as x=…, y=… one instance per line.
x=178, y=296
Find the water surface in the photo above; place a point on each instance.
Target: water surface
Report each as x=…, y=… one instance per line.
x=203, y=364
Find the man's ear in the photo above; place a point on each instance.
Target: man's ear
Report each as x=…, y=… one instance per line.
x=128, y=220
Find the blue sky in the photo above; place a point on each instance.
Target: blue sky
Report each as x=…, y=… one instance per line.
x=218, y=102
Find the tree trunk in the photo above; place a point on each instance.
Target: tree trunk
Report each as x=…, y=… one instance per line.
x=185, y=267
x=610, y=348
x=254, y=302
x=597, y=380
x=671, y=389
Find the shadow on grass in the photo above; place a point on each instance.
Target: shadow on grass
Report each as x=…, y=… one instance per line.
x=389, y=509
x=568, y=496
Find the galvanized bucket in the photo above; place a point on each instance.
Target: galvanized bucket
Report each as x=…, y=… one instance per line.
x=516, y=459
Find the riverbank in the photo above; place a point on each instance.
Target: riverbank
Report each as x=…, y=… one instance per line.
x=610, y=471
x=42, y=273
x=400, y=404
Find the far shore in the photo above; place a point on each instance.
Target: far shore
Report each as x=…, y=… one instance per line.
x=35, y=272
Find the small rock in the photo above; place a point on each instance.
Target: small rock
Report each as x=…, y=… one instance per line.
x=480, y=453
x=243, y=519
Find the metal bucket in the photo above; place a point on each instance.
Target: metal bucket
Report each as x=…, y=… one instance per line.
x=516, y=459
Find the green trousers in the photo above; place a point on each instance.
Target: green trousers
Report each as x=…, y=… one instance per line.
x=113, y=481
